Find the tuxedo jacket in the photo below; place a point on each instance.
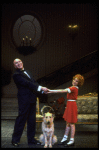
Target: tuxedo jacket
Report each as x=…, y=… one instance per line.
x=27, y=87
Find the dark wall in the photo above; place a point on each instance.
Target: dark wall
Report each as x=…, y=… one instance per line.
x=59, y=48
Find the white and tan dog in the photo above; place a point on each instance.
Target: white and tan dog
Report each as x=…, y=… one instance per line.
x=48, y=137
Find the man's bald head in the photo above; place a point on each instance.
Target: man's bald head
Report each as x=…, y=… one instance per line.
x=18, y=64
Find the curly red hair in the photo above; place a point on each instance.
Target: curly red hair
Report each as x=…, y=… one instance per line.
x=80, y=78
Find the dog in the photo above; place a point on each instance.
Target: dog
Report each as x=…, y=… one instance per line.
x=48, y=138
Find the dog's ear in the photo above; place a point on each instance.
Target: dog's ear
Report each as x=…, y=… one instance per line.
x=43, y=117
x=53, y=115
x=44, y=114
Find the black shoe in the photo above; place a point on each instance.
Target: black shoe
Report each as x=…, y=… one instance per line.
x=68, y=145
x=35, y=142
x=15, y=144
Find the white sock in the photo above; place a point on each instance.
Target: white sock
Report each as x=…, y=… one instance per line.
x=71, y=141
x=64, y=138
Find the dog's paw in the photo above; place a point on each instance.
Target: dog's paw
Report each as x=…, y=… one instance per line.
x=45, y=146
x=50, y=145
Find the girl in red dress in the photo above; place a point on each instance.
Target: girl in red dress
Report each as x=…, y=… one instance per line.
x=70, y=113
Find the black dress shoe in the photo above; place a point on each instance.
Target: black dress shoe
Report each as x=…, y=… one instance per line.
x=15, y=144
x=36, y=142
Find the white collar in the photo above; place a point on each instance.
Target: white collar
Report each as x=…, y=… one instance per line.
x=76, y=87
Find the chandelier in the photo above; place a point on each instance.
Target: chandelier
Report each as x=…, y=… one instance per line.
x=73, y=31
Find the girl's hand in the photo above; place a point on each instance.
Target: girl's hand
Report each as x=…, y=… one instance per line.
x=52, y=91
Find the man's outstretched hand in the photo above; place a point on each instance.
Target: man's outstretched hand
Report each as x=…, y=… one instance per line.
x=45, y=89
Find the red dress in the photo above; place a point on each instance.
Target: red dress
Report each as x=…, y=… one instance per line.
x=70, y=113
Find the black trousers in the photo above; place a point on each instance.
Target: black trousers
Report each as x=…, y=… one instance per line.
x=27, y=113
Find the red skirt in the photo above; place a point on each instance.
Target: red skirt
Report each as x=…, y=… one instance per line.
x=70, y=113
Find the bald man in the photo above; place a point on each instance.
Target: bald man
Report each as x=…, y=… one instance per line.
x=27, y=88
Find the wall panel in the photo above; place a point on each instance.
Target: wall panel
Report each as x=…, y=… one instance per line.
x=58, y=48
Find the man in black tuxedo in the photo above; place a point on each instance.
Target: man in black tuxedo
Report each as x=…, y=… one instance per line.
x=27, y=88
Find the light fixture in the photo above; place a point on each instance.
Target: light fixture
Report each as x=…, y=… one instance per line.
x=27, y=34
x=74, y=26
x=70, y=26
x=26, y=41
x=73, y=31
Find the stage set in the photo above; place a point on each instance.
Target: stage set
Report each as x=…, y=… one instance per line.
x=55, y=42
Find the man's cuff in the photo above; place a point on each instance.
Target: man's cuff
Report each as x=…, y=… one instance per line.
x=39, y=88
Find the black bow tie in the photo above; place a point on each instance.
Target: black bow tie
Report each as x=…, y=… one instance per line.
x=23, y=70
